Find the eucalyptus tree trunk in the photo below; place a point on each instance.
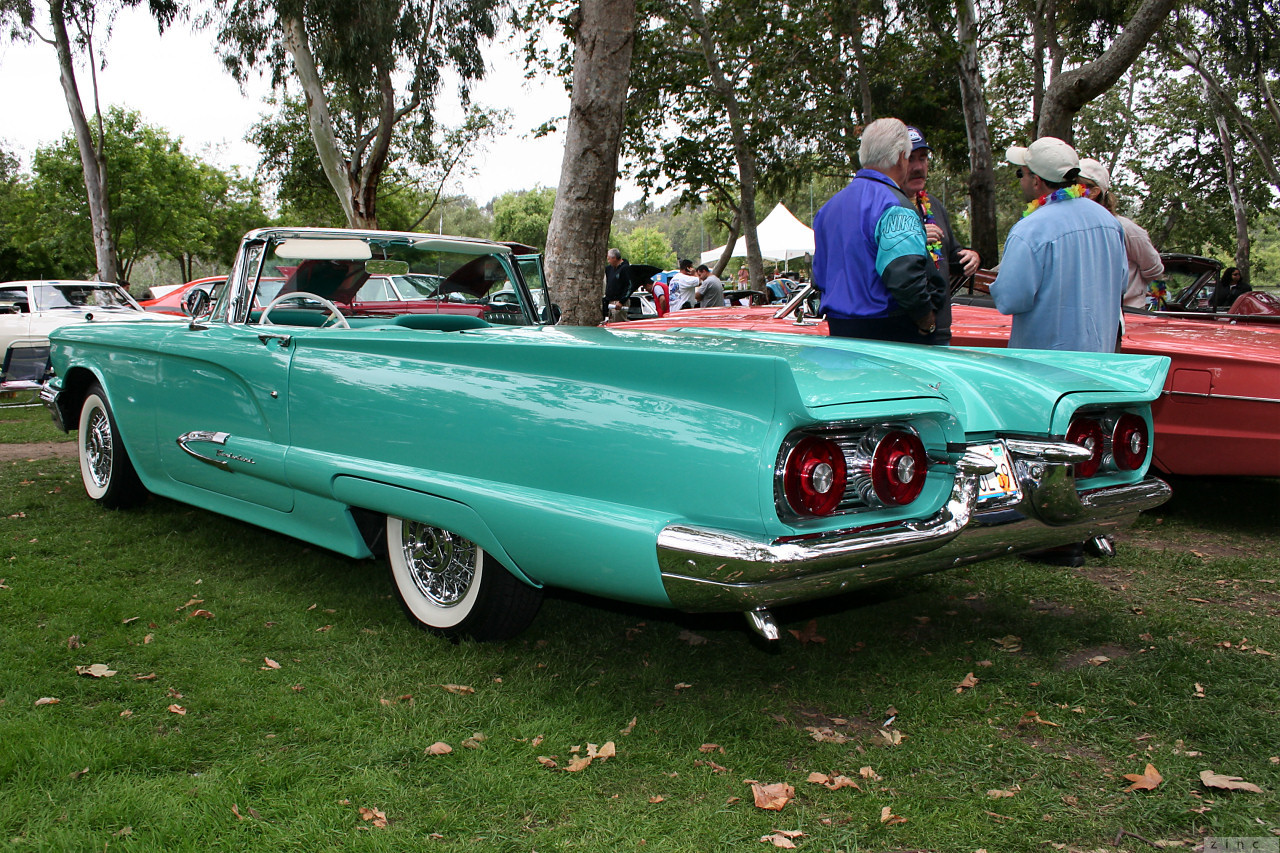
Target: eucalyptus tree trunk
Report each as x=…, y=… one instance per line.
x=743, y=154
x=1071, y=90
x=734, y=232
x=335, y=166
x=982, y=179
x=1233, y=187
x=578, y=236
x=93, y=160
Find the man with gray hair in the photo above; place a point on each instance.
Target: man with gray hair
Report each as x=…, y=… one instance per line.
x=870, y=261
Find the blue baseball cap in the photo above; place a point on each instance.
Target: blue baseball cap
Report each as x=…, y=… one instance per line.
x=917, y=139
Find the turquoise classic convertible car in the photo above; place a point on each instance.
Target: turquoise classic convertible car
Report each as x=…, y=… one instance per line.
x=704, y=470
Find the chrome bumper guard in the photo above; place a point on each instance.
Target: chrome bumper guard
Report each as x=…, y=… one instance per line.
x=49, y=396
x=713, y=570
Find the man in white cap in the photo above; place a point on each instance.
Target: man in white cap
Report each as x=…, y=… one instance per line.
x=1145, y=265
x=1064, y=268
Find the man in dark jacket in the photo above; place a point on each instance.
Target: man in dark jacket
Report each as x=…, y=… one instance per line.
x=617, y=282
x=947, y=255
x=870, y=260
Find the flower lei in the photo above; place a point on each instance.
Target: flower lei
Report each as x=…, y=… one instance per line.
x=1075, y=191
x=926, y=210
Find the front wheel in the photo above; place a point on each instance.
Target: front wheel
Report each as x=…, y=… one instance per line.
x=105, y=468
x=450, y=586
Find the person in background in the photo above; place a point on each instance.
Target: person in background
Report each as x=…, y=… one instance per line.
x=683, y=284
x=1064, y=268
x=947, y=255
x=661, y=296
x=1231, y=285
x=870, y=260
x=617, y=281
x=710, y=290
x=1145, y=265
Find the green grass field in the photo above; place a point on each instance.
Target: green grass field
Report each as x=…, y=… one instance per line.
x=306, y=697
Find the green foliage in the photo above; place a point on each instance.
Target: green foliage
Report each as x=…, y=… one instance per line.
x=163, y=202
x=648, y=246
x=523, y=216
x=22, y=254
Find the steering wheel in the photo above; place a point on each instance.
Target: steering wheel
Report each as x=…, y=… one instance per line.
x=340, y=322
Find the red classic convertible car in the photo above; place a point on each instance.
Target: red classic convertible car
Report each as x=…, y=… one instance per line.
x=1220, y=410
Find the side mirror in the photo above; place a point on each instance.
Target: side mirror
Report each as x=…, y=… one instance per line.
x=196, y=303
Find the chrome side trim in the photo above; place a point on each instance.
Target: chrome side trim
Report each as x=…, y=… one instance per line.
x=204, y=436
x=1221, y=397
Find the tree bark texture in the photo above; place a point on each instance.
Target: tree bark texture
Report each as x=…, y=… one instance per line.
x=982, y=178
x=1071, y=90
x=743, y=154
x=578, y=236
x=93, y=160
x=1233, y=187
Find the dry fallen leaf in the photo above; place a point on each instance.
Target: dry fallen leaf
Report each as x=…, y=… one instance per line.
x=146, y=641
x=1229, y=783
x=439, y=748
x=123, y=832
x=379, y=818
x=547, y=762
x=150, y=676
x=832, y=783
x=772, y=797
x=1099, y=660
x=967, y=682
x=47, y=700
x=1008, y=643
x=189, y=603
x=711, y=747
x=683, y=686
x=826, y=734
x=97, y=670
x=868, y=773
x=687, y=636
x=1034, y=717
x=1148, y=780
x=270, y=663
x=578, y=764
x=203, y=614
x=608, y=750
x=809, y=633
x=893, y=738
x=474, y=741
x=657, y=798
x=235, y=810
x=631, y=726
x=997, y=793
x=76, y=775
x=784, y=838
x=717, y=768
x=887, y=816
x=460, y=689
x=73, y=642
x=178, y=709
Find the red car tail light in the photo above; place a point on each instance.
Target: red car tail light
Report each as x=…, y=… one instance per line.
x=815, y=476
x=898, y=468
x=1087, y=433
x=1129, y=442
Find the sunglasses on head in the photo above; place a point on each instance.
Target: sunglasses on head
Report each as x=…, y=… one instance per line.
x=1018, y=172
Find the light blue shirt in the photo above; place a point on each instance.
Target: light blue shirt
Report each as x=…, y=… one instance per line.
x=1062, y=276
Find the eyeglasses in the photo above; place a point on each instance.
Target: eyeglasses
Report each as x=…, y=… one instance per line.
x=1018, y=172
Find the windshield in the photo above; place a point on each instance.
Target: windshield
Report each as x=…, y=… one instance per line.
x=389, y=275
x=51, y=297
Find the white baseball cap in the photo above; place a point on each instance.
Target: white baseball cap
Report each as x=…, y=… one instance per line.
x=1049, y=158
x=1096, y=173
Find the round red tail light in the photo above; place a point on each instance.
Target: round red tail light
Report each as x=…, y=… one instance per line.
x=898, y=468
x=815, y=476
x=1129, y=441
x=1087, y=433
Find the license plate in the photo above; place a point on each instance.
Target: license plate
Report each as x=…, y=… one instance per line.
x=1000, y=483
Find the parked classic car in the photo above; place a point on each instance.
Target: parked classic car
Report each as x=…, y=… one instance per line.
x=171, y=302
x=30, y=310
x=1219, y=411
x=1192, y=284
x=775, y=469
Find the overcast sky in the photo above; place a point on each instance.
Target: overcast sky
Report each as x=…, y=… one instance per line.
x=177, y=83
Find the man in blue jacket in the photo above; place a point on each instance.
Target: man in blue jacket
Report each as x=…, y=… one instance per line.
x=870, y=261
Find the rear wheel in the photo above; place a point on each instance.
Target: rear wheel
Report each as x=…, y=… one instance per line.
x=105, y=468
x=450, y=586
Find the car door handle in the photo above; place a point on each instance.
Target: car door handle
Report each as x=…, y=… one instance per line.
x=219, y=438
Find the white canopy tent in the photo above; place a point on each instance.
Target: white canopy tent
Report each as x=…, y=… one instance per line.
x=782, y=237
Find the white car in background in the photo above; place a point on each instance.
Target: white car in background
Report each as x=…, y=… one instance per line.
x=30, y=310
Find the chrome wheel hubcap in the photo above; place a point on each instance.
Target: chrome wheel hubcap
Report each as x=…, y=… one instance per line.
x=97, y=448
x=442, y=564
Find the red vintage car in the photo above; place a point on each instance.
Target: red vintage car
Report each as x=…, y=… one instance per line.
x=1220, y=410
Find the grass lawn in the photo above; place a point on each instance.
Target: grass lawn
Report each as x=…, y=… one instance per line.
x=305, y=697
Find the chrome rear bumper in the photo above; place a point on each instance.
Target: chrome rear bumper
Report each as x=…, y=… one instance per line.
x=713, y=570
